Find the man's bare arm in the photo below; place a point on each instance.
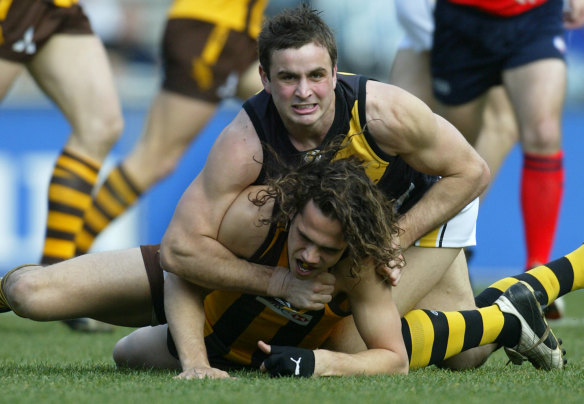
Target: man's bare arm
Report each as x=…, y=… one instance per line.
x=190, y=248
x=403, y=125
x=183, y=303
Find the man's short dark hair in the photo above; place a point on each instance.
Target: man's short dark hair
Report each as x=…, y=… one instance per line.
x=294, y=28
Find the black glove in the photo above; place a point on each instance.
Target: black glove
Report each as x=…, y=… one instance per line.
x=289, y=361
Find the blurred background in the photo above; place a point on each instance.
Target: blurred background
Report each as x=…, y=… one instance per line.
x=33, y=132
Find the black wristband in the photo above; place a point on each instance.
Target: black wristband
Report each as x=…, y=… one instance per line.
x=290, y=361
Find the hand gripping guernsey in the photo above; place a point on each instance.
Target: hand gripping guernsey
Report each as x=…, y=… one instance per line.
x=392, y=174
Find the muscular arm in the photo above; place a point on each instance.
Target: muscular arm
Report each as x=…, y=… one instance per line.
x=379, y=324
x=183, y=304
x=190, y=247
x=401, y=124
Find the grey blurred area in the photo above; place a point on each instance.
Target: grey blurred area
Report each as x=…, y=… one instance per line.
x=367, y=35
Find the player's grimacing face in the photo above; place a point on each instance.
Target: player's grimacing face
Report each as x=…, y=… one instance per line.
x=315, y=242
x=302, y=83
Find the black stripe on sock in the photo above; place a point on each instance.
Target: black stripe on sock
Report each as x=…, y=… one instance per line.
x=562, y=268
x=474, y=329
x=439, y=345
x=406, y=333
x=67, y=209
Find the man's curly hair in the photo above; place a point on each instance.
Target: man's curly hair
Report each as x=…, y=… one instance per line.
x=342, y=190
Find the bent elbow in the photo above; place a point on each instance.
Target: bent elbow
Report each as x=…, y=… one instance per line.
x=170, y=253
x=481, y=176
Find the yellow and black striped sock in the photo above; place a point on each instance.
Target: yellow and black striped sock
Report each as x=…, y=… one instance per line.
x=549, y=281
x=113, y=198
x=433, y=336
x=69, y=196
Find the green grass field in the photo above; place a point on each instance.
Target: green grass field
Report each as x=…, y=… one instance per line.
x=47, y=363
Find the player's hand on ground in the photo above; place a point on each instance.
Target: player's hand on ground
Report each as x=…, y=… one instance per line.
x=287, y=360
x=308, y=294
x=203, y=373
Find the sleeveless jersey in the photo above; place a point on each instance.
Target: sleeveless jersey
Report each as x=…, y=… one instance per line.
x=235, y=322
x=503, y=8
x=392, y=174
x=237, y=15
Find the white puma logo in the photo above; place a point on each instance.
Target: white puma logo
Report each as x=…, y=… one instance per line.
x=297, y=362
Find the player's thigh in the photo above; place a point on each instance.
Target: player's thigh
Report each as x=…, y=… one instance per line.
x=74, y=71
x=411, y=71
x=454, y=291
x=145, y=348
x=434, y=278
x=537, y=91
x=9, y=71
x=110, y=285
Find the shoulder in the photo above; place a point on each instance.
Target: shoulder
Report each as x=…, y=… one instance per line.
x=395, y=116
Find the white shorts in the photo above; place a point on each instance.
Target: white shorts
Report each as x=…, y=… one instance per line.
x=417, y=20
x=460, y=231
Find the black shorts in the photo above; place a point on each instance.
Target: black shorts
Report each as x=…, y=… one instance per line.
x=204, y=60
x=151, y=257
x=471, y=48
x=29, y=24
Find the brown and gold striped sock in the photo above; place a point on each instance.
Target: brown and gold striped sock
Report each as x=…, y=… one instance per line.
x=113, y=198
x=69, y=196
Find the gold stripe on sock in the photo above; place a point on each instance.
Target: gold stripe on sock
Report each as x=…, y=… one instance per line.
x=89, y=174
x=493, y=321
x=109, y=203
x=457, y=329
x=504, y=284
x=121, y=186
x=95, y=220
x=576, y=258
x=59, y=248
x=548, y=280
x=421, y=330
x=83, y=242
x=69, y=196
x=63, y=222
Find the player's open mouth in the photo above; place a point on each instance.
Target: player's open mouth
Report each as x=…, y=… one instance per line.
x=304, y=108
x=303, y=268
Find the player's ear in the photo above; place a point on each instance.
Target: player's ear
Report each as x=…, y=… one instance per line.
x=265, y=79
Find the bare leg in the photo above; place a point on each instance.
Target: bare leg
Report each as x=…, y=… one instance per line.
x=173, y=122
x=499, y=132
x=411, y=71
x=9, y=71
x=84, y=90
x=145, y=348
x=537, y=92
x=109, y=286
